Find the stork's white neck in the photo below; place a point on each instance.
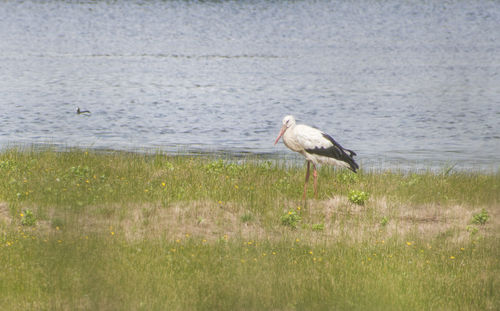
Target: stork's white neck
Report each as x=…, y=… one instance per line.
x=290, y=139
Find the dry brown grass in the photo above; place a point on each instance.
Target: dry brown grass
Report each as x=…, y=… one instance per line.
x=5, y=217
x=212, y=221
x=426, y=221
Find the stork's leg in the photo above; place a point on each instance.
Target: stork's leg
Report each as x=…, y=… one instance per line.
x=315, y=175
x=305, y=184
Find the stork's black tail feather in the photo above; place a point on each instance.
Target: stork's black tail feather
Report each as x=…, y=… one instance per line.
x=348, y=158
x=345, y=155
x=337, y=152
x=351, y=153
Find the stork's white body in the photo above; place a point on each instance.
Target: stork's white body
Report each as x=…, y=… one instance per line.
x=316, y=146
x=300, y=138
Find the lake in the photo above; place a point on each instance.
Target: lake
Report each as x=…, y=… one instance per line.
x=406, y=84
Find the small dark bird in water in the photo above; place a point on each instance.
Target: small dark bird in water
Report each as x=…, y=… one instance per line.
x=78, y=111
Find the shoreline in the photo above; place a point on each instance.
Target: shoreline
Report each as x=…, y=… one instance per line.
x=292, y=159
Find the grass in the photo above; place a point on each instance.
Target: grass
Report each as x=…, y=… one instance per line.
x=114, y=231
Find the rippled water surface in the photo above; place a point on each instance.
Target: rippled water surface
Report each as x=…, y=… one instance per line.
x=403, y=83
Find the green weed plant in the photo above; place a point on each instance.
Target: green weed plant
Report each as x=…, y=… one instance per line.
x=291, y=219
x=480, y=218
x=358, y=197
x=28, y=218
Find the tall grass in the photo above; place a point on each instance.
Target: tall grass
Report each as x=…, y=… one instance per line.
x=119, y=230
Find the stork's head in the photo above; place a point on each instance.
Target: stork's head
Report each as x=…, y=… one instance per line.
x=288, y=122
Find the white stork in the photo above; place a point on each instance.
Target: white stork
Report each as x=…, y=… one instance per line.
x=316, y=146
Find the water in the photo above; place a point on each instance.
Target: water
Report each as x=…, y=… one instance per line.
x=404, y=84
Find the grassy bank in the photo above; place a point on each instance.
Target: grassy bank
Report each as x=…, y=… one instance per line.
x=115, y=231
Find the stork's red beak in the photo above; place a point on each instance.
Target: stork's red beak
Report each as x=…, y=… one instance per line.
x=282, y=131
